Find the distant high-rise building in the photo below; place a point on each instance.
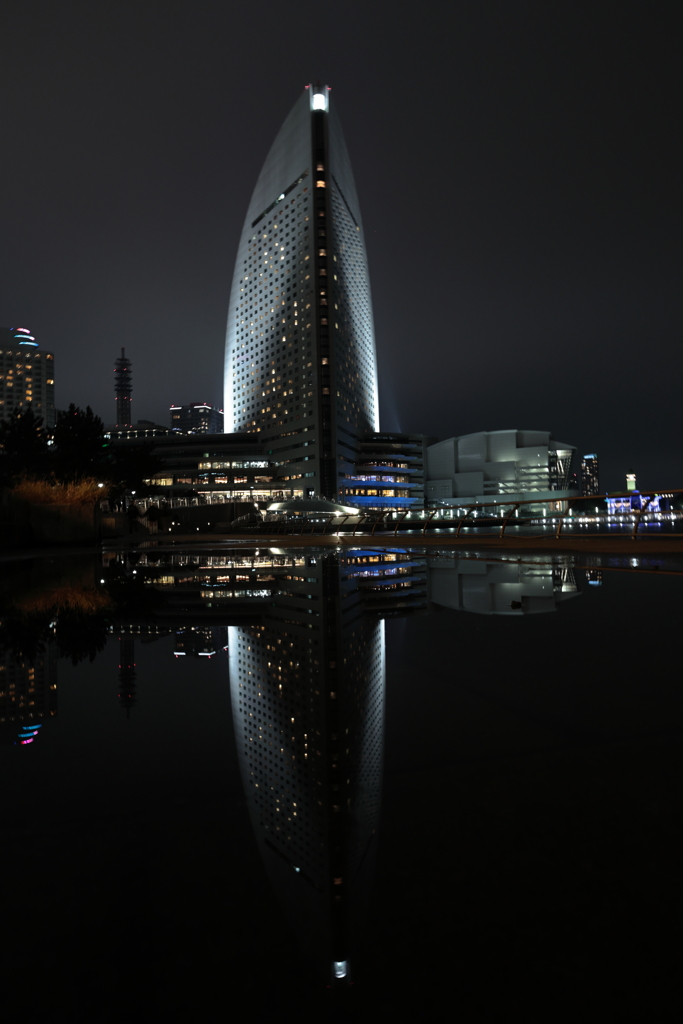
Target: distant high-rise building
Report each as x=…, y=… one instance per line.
x=300, y=363
x=196, y=418
x=27, y=376
x=123, y=387
x=631, y=481
x=590, y=483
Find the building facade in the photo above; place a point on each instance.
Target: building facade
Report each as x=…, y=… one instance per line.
x=300, y=363
x=634, y=501
x=590, y=479
x=196, y=418
x=388, y=473
x=214, y=468
x=491, y=466
x=27, y=376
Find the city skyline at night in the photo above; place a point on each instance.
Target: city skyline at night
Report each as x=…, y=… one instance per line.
x=524, y=258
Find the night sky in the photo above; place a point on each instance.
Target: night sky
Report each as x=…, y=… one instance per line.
x=518, y=171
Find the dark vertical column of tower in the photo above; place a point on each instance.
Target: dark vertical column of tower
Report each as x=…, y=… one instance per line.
x=325, y=365
x=127, y=674
x=123, y=386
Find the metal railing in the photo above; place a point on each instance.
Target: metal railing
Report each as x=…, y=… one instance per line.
x=476, y=516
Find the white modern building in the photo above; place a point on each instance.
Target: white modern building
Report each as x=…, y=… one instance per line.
x=490, y=466
x=300, y=363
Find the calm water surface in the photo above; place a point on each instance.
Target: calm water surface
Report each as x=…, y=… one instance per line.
x=347, y=782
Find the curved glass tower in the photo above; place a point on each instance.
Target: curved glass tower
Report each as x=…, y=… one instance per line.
x=300, y=364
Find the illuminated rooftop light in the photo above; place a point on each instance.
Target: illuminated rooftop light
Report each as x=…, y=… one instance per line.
x=318, y=101
x=339, y=968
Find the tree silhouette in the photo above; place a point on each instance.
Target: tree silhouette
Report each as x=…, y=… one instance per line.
x=23, y=447
x=80, y=449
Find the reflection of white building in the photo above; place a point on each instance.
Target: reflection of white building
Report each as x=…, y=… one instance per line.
x=500, y=587
x=517, y=465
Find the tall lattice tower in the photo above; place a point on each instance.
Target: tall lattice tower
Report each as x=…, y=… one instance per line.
x=123, y=387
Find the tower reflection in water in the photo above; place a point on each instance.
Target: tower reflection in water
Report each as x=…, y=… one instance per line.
x=306, y=652
x=307, y=686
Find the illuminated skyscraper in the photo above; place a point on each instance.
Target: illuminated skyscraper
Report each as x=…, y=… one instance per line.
x=590, y=482
x=123, y=386
x=27, y=376
x=300, y=364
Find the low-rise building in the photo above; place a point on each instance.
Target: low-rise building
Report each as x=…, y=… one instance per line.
x=500, y=465
x=388, y=472
x=142, y=430
x=215, y=468
x=634, y=501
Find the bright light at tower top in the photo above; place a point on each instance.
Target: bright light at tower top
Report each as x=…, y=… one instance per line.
x=320, y=99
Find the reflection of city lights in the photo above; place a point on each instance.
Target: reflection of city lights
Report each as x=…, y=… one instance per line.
x=28, y=733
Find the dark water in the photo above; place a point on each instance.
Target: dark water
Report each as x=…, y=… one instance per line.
x=476, y=801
